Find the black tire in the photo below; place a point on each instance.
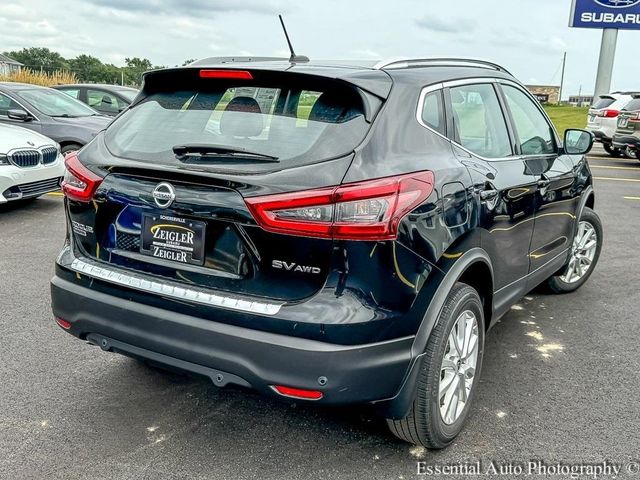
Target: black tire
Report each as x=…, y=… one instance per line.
x=637, y=154
x=628, y=153
x=611, y=150
x=555, y=283
x=71, y=147
x=424, y=425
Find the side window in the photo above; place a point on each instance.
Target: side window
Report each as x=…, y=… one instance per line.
x=102, y=101
x=306, y=102
x=534, y=132
x=479, y=123
x=72, y=92
x=7, y=104
x=433, y=112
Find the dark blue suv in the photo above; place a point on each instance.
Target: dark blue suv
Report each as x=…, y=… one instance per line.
x=324, y=232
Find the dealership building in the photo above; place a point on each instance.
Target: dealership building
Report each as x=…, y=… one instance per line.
x=545, y=93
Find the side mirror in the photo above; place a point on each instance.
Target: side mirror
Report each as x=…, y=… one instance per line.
x=578, y=142
x=19, y=114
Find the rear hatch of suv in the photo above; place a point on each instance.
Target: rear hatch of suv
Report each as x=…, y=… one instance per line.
x=163, y=191
x=629, y=120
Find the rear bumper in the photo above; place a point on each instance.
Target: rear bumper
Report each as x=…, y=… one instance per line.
x=232, y=354
x=600, y=135
x=624, y=141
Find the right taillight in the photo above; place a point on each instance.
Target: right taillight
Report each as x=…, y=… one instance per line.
x=79, y=182
x=369, y=210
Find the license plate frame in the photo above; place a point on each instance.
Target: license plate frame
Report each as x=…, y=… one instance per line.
x=623, y=122
x=175, y=239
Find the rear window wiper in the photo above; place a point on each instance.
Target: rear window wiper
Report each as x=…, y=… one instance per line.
x=221, y=152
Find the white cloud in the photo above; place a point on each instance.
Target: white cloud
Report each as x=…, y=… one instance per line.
x=527, y=36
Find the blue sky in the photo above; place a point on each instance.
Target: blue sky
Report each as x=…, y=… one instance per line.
x=527, y=36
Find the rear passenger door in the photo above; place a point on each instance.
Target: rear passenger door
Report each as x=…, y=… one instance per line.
x=556, y=202
x=505, y=188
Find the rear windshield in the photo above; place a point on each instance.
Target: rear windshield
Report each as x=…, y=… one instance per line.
x=603, y=102
x=296, y=122
x=633, y=105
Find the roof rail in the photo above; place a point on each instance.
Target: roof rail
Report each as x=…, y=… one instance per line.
x=433, y=62
x=220, y=60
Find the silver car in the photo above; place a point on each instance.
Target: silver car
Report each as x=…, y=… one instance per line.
x=69, y=122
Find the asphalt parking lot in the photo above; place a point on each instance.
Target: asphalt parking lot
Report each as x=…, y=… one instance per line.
x=561, y=382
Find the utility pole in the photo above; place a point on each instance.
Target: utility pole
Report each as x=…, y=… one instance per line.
x=605, y=64
x=564, y=64
x=122, y=77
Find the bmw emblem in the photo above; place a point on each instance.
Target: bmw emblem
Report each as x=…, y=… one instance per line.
x=164, y=194
x=617, y=3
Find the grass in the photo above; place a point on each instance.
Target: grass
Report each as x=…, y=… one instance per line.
x=565, y=117
x=44, y=79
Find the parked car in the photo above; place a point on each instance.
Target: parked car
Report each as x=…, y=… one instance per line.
x=69, y=122
x=603, y=119
x=627, y=136
x=326, y=234
x=30, y=164
x=106, y=99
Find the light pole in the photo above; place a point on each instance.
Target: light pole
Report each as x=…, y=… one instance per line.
x=605, y=64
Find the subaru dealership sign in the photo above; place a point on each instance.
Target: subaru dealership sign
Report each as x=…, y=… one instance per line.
x=605, y=14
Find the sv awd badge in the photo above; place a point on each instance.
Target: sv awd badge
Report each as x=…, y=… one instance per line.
x=294, y=267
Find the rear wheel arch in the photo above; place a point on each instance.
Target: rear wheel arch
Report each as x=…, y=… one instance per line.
x=473, y=266
x=479, y=275
x=591, y=200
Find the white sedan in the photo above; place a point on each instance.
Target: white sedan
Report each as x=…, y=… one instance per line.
x=30, y=164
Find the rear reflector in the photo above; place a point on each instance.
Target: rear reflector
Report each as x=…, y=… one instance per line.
x=370, y=210
x=234, y=74
x=63, y=323
x=79, y=182
x=298, y=393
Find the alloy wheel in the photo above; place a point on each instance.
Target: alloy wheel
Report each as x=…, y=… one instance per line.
x=583, y=252
x=458, y=368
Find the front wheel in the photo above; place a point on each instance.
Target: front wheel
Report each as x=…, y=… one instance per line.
x=449, y=373
x=585, y=252
x=611, y=150
x=71, y=147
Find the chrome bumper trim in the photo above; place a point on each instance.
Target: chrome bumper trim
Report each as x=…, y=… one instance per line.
x=164, y=288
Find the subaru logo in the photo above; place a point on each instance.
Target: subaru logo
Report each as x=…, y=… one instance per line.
x=164, y=194
x=617, y=3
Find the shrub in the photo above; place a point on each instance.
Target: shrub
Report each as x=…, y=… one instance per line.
x=44, y=79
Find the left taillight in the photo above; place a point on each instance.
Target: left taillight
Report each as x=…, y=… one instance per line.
x=370, y=210
x=79, y=182
x=609, y=113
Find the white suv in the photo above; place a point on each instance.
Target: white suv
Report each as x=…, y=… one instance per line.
x=30, y=164
x=603, y=119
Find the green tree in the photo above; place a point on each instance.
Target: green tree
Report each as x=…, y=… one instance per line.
x=40, y=58
x=134, y=69
x=89, y=69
